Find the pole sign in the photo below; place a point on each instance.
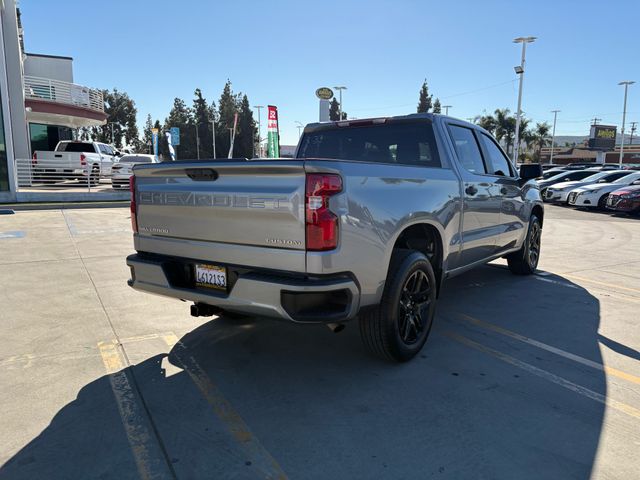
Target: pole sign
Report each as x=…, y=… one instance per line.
x=175, y=136
x=602, y=137
x=273, y=135
x=154, y=138
x=324, y=93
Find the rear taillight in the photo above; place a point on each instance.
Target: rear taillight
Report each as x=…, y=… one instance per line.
x=83, y=160
x=134, y=206
x=34, y=158
x=321, y=223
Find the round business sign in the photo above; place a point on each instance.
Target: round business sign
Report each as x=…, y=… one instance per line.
x=324, y=93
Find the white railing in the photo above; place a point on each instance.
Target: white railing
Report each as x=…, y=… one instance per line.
x=48, y=175
x=37, y=88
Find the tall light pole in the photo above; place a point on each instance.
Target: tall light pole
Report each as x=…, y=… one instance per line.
x=626, y=84
x=553, y=135
x=446, y=108
x=520, y=71
x=259, y=107
x=340, y=106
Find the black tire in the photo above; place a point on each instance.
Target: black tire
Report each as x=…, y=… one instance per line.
x=602, y=202
x=525, y=260
x=398, y=328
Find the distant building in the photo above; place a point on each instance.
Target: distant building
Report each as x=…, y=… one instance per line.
x=565, y=155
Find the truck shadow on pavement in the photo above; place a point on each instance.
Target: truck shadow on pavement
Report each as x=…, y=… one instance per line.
x=236, y=393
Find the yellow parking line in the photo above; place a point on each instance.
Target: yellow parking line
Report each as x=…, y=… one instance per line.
x=260, y=457
x=571, y=356
x=149, y=460
x=552, y=377
x=610, y=285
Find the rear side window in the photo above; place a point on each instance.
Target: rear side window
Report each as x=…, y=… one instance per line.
x=76, y=147
x=410, y=143
x=467, y=149
x=499, y=163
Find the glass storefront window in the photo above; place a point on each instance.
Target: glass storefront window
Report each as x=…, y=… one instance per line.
x=46, y=137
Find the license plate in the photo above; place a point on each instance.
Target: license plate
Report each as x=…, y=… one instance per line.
x=211, y=276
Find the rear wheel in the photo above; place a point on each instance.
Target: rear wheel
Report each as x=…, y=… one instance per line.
x=525, y=260
x=602, y=202
x=398, y=328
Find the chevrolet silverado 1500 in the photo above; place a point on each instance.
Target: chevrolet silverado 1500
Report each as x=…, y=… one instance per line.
x=367, y=221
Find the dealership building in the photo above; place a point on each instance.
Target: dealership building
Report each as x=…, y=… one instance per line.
x=40, y=103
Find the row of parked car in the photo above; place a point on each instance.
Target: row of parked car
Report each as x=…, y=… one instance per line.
x=587, y=186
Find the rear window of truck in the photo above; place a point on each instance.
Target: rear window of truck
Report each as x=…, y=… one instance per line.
x=405, y=143
x=76, y=147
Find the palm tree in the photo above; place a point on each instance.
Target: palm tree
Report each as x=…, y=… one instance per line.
x=540, y=138
x=505, y=127
x=488, y=122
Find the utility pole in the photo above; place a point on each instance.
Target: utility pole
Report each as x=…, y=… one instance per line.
x=213, y=135
x=520, y=71
x=340, y=105
x=446, y=108
x=553, y=136
x=626, y=84
x=633, y=130
x=299, y=126
x=595, y=120
x=259, y=107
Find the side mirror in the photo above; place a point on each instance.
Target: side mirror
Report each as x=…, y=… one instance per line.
x=529, y=171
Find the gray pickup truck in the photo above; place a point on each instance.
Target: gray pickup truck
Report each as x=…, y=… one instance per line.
x=367, y=221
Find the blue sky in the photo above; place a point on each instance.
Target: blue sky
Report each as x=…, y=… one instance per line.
x=279, y=52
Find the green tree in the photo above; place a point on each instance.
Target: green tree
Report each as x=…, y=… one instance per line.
x=540, y=138
x=202, y=116
x=181, y=116
x=437, y=108
x=122, y=113
x=227, y=108
x=505, y=127
x=424, y=103
x=488, y=122
x=147, y=134
x=245, y=142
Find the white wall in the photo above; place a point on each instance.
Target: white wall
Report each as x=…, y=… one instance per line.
x=49, y=67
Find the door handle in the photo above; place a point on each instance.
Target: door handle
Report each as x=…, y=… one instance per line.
x=471, y=190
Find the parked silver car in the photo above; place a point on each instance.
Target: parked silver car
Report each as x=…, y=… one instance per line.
x=122, y=171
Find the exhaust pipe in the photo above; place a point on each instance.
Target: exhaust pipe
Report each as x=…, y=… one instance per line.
x=336, y=327
x=204, y=310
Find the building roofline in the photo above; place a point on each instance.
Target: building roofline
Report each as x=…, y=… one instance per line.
x=47, y=56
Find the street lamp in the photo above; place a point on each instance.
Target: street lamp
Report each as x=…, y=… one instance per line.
x=197, y=141
x=213, y=136
x=259, y=137
x=299, y=126
x=626, y=84
x=446, y=108
x=553, y=136
x=340, y=106
x=520, y=71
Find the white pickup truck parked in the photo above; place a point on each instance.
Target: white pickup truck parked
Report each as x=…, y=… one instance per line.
x=86, y=161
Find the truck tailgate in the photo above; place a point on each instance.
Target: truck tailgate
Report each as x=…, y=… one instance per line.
x=222, y=204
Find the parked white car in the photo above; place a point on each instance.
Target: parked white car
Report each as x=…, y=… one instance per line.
x=71, y=159
x=122, y=170
x=595, y=196
x=560, y=191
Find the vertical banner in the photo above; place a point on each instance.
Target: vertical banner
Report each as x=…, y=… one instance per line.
x=154, y=136
x=172, y=151
x=273, y=134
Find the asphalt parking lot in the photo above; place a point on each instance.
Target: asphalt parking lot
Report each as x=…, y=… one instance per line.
x=522, y=377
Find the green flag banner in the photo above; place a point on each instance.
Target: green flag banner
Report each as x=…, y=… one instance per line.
x=273, y=135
